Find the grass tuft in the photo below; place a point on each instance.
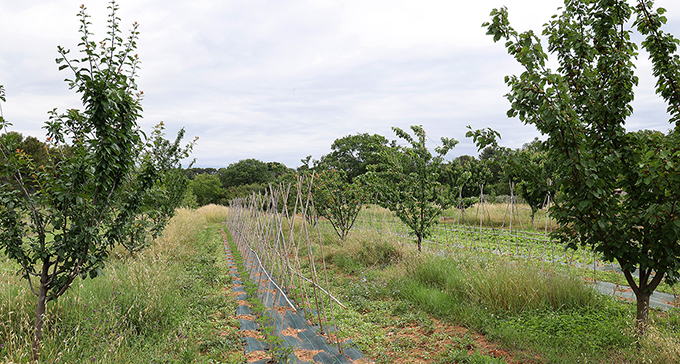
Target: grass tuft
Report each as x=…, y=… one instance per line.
x=502, y=285
x=367, y=251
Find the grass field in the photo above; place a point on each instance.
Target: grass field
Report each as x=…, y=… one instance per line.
x=171, y=304
x=461, y=231
x=539, y=313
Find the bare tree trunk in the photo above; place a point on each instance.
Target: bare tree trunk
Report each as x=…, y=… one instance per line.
x=420, y=240
x=643, y=291
x=642, y=316
x=39, y=313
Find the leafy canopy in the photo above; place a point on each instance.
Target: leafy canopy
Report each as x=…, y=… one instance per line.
x=582, y=107
x=245, y=172
x=355, y=153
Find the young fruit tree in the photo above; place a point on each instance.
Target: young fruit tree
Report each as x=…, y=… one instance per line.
x=529, y=170
x=338, y=200
x=85, y=197
x=409, y=184
x=581, y=107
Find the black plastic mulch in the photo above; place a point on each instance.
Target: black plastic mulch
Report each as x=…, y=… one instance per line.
x=302, y=335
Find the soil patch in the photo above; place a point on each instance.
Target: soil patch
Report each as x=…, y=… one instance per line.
x=291, y=332
x=422, y=344
x=256, y=356
x=252, y=333
x=306, y=355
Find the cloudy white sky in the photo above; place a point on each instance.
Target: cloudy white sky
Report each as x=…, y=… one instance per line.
x=280, y=80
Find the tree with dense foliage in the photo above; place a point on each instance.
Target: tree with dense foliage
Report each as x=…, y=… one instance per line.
x=66, y=228
x=245, y=172
x=243, y=191
x=465, y=175
x=581, y=107
x=34, y=148
x=354, y=153
x=278, y=170
x=208, y=189
x=497, y=184
x=409, y=184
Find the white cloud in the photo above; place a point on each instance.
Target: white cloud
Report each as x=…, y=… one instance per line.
x=282, y=80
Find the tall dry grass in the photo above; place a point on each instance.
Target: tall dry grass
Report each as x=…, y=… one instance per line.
x=369, y=250
x=103, y=318
x=502, y=215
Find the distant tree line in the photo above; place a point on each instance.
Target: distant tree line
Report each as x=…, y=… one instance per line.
x=462, y=178
x=239, y=179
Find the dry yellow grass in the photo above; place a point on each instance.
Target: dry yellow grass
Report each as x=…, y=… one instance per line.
x=498, y=214
x=660, y=348
x=213, y=213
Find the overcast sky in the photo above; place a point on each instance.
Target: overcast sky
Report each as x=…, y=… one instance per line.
x=281, y=80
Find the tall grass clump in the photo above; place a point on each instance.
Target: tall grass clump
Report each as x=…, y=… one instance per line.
x=367, y=251
x=214, y=213
x=515, y=286
x=522, y=304
x=17, y=311
x=501, y=285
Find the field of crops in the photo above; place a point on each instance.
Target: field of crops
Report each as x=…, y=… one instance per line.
x=498, y=234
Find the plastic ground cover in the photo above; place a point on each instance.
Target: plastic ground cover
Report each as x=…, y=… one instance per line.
x=288, y=323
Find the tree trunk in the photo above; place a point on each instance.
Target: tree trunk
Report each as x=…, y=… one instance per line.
x=642, y=317
x=642, y=293
x=420, y=240
x=39, y=313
